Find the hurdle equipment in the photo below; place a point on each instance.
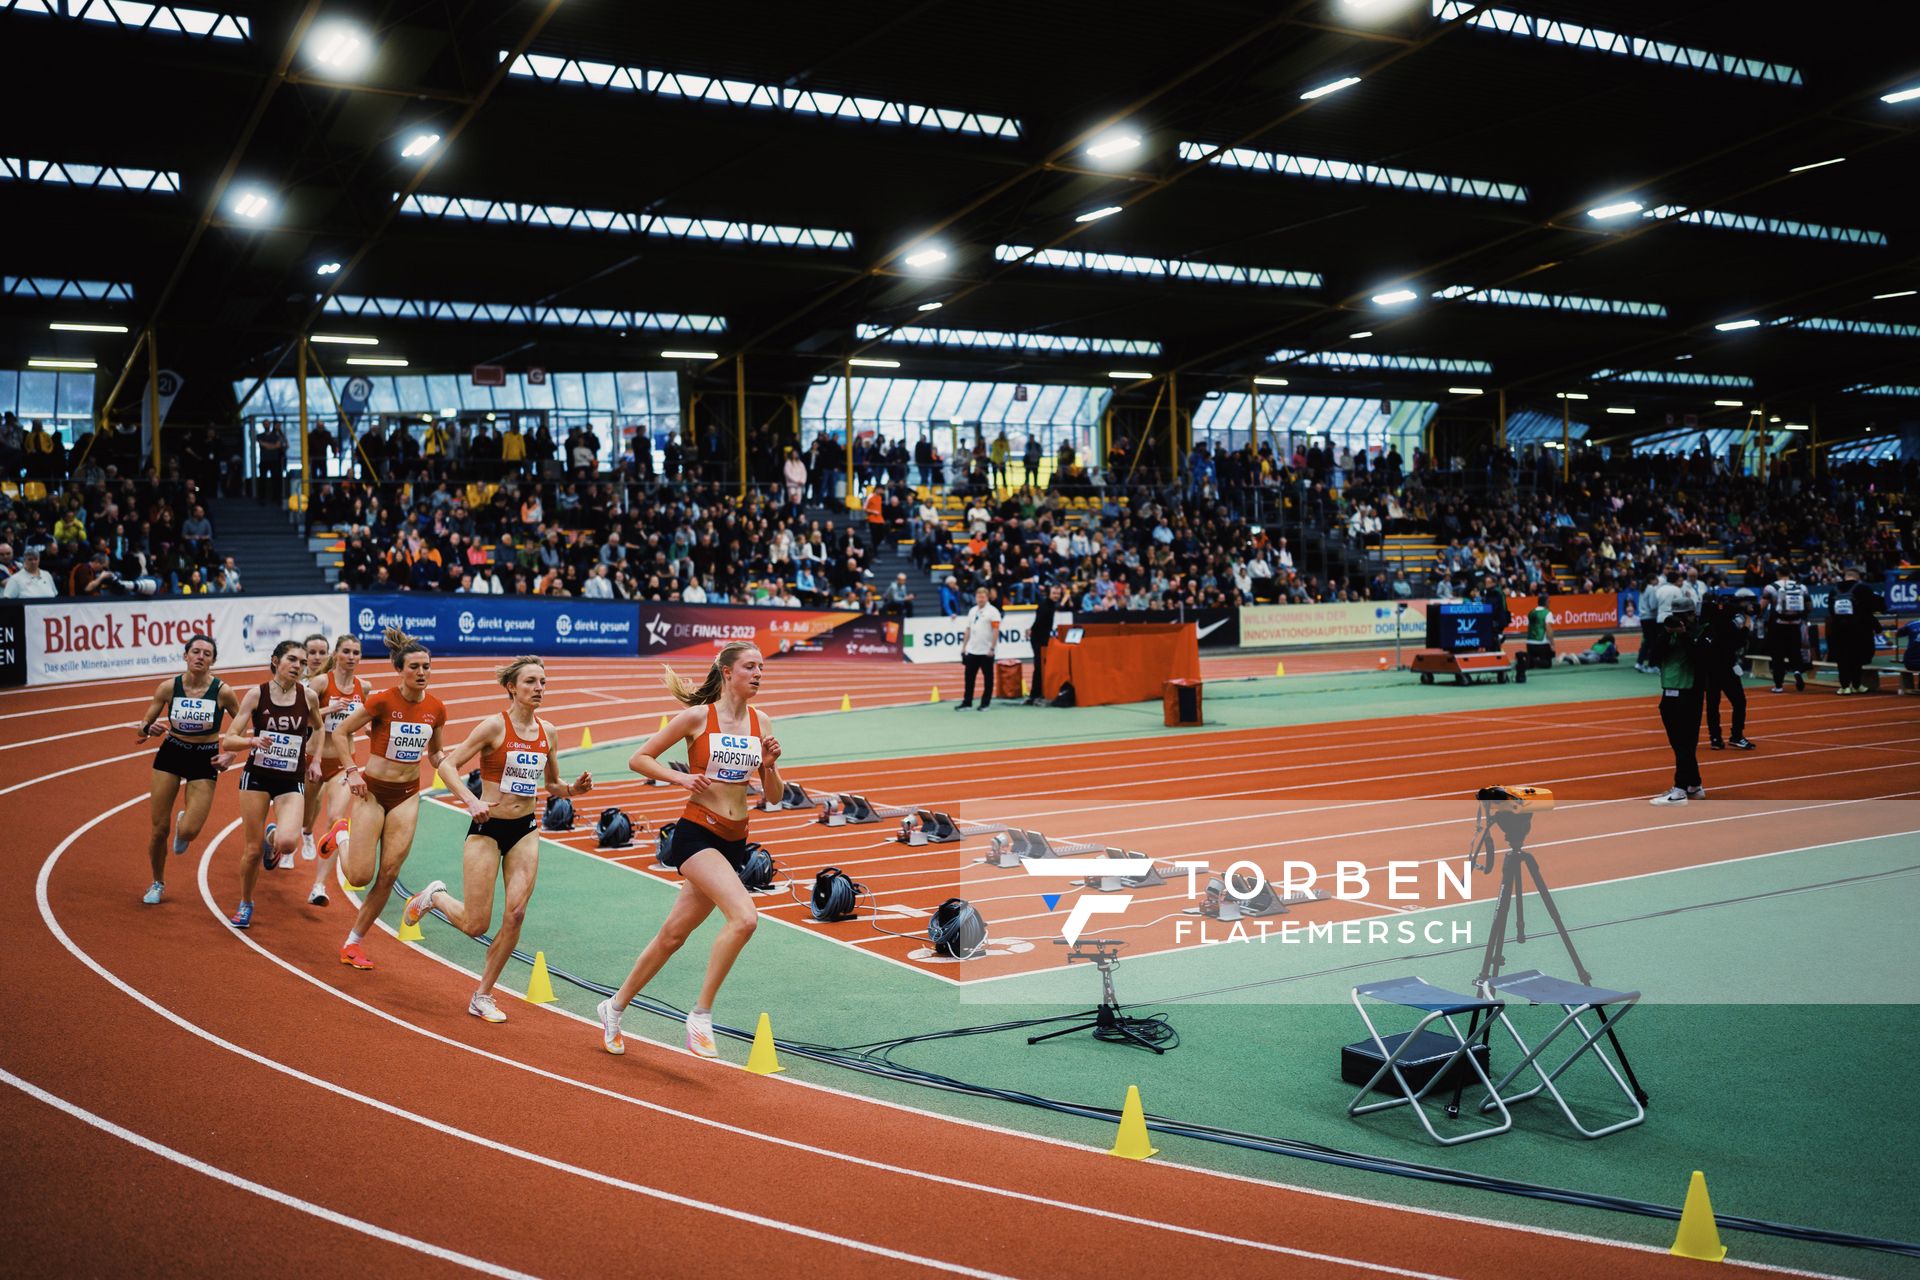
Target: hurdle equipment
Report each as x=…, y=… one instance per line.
x=1431, y=1057
x=1576, y=1000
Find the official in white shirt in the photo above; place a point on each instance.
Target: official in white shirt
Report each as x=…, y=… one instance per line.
x=982, y=633
x=34, y=583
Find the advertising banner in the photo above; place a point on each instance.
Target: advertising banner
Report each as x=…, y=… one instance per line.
x=13, y=645
x=68, y=641
x=1597, y=612
x=493, y=625
x=704, y=629
x=1903, y=591
x=940, y=639
x=1307, y=625
x=1219, y=627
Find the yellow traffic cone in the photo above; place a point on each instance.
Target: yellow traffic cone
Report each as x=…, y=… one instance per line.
x=761, y=1059
x=411, y=932
x=1699, y=1234
x=846, y=702
x=663, y=721
x=1131, y=1142
x=586, y=738
x=1026, y=687
x=1279, y=668
x=540, y=985
x=933, y=694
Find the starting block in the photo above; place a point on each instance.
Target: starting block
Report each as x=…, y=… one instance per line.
x=794, y=796
x=1149, y=874
x=1218, y=904
x=1013, y=844
x=928, y=827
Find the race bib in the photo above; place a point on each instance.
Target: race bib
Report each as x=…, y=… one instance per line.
x=523, y=773
x=1843, y=606
x=732, y=757
x=1793, y=601
x=282, y=752
x=407, y=741
x=335, y=719
x=193, y=715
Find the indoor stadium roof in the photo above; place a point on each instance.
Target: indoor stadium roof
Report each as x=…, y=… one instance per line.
x=1561, y=195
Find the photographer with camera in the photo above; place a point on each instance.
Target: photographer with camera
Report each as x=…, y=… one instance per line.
x=1680, y=652
x=1729, y=630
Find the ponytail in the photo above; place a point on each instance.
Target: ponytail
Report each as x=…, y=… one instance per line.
x=708, y=690
x=399, y=645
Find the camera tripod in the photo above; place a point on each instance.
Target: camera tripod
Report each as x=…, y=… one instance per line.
x=1108, y=1023
x=1515, y=864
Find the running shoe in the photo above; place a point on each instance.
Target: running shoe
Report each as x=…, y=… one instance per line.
x=354, y=955
x=242, y=917
x=483, y=1007
x=334, y=840
x=179, y=845
x=700, y=1035
x=1676, y=796
x=1696, y=793
x=317, y=896
x=1844, y=690
x=1799, y=682
x=267, y=855
x=1743, y=744
x=152, y=896
x=610, y=1037
x=1778, y=689
x=420, y=902
x=306, y=846
x=1716, y=744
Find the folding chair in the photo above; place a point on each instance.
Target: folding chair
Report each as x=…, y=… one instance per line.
x=1437, y=1005
x=1577, y=1001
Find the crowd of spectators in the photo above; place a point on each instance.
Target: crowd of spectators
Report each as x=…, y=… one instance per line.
x=112, y=537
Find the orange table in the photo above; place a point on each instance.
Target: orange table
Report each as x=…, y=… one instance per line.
x=1122, y=661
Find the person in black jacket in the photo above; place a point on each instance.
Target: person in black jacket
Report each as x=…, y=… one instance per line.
x=1041, y=634
x=1723, y=657
x=1677, y=657
x=1850, y=626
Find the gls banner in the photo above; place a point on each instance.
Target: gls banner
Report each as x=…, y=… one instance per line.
x=460, y=624
x=68, y=641
x=1903, y=591
x=940, y=639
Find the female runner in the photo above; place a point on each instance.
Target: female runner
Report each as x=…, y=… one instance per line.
x=516, y=758
x=188, y=710
x=405, y=723
x=278, y=720
x=728, y=742
x=340, y=693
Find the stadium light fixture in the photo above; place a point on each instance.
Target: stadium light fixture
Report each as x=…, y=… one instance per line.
x=327, y=269
x=339, y=47
x=75, y=326
x=1572, y=395
x=1344, y=82
x=1731, y=404
x=419, y=144
x=1271, y=382
x=1364, y=333
x=689, y=355
x=1128, y=374
x=1902, y=293
x=1113, y=144
x=1902, y=95
x=1733, y=326
x=1094, y=215
x=1394, y=297
x=867, y=362
x=51, y=362
x=378, y=362
x=926, y=257
x=930, y=306
x=343, y=339
x=1817, y=164
x=1793, y=426
x=1621, y=409
x=250, y=203
x=1616, y=209
x=1465, y=391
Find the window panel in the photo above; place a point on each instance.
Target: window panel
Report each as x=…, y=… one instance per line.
x=412, y=389
x=569, y=390
x=38, y=394
x=600, y=391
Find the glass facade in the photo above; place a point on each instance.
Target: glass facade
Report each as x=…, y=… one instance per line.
x=63, y=401
x=1227, y=417
x=949, y=413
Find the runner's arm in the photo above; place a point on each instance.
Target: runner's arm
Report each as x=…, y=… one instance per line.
x=645, y=760
x=154, y=708
x=235, y=740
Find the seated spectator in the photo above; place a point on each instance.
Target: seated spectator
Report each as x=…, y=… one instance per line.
x=952, y=602
x=898, y=598
x=229, y=577
x=599, y=585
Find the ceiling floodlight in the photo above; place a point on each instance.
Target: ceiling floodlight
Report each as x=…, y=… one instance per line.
x=1345, y=82
x=51, y=362
x=1619, y=408
x=926, y=257
x=1270, y=382
x=1465, y=391
x=1904, y=95
x=1394, y=297
x=339, y=47
x=1730, y=404
x=1732, y=326
x=1114, y=144
x=327, y=269
x=1364, y=333
x=249, y=203
x=1616, y=209
x=419, y=144
x=1094, y=215
x=378, y=362
x=1903, y=293
x=344, y=339
x=1129, y=374
x=74, y=326
x=689, y=355
x=1817, y=164
x=930, y=306
x=1572, y=395
x=867, y=362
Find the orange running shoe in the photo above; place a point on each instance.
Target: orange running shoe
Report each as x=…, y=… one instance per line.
x=330, y=841
x=353, y=954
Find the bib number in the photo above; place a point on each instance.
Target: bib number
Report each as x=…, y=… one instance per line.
x=523, y=773
x=336, y=719
x=732, y=757
x=282, y=752
x=407, y=741
x=193, y=715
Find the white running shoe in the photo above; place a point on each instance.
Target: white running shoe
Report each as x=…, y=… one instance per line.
x=422, y=902
x=179, y=845
x=1696, y=793
x=306, y=846
x=482, y=1006
x=700, y=1035
x=1676, y=796
x=610, y=1037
